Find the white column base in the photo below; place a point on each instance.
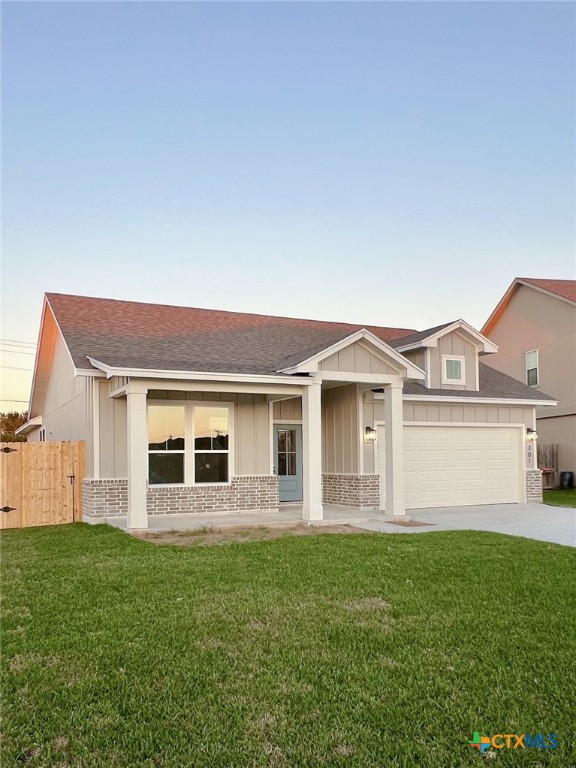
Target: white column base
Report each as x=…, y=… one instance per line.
x=396, y=509
x=137, y=520
x=313, y=512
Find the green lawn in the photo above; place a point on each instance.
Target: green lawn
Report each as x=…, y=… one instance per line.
x=328, y=650
x=566, y=498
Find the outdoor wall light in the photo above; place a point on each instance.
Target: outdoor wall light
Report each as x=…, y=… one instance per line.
x=531, y=434
x=369, y=435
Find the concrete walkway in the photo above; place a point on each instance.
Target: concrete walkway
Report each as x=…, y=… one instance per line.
x=534, y=521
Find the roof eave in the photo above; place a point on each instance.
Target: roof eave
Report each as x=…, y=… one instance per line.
x=156, y=373
x=478, y=399
x=29, y=425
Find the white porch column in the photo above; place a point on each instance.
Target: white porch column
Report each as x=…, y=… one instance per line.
x=394, y=437
x=312, y=452
x=137, y=455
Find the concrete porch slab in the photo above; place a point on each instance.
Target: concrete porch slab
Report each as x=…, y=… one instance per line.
x=289, y=514
x=534, y=521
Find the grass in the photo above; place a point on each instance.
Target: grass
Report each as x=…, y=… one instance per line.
x=558, y=498
x=327, y=650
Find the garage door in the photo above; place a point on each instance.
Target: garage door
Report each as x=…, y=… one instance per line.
x=448, y=466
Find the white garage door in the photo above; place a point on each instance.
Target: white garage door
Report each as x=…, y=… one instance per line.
x=450, y=466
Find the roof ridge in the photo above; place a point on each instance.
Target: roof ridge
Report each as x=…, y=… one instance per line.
x=229, y=312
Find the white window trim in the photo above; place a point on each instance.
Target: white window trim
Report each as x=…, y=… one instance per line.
x=462, y=360
x=529, y=352
x=189, y=450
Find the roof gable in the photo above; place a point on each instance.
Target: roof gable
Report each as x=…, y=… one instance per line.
x=564, y=290
x=374, y=347
x=429, y=337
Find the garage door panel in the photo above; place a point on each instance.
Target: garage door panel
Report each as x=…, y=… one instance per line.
x=449, y=466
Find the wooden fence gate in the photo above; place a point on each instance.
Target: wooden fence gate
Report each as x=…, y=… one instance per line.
x=41, y=483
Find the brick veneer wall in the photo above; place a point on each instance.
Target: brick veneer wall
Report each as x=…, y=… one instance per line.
x=104, y=498
x=109, y=498
x=351, y=490
x=245, y=493
x=534, y=485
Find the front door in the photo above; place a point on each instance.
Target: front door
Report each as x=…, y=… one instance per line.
x=288, y=460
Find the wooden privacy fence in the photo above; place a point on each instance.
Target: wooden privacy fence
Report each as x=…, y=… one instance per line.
x=41, y=483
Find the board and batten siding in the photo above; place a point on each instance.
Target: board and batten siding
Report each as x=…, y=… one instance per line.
x=339, y=427
x=340, y=441
x=113, y=434
x=288, y=410
x=358, y=358
x=418, y=357
x=251, y=429
x=454, y=344
x=449, y=413
x=66, y=412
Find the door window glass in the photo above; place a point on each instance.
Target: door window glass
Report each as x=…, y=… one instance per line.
x=286, y=451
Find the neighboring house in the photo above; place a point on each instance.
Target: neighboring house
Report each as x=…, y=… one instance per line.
x=195, y=410
x=534, y=326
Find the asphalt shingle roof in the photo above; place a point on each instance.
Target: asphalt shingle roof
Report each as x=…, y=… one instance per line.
x=128, y=334
x=493, y=384
x=414, y=338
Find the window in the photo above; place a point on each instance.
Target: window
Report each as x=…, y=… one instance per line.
x=211, y=444
x=453, y=369
x=532, y=368
x=42, y=435
x=287, y=456
x=188, y=443
x=166, y=444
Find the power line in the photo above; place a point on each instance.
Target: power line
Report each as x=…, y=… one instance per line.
x=18, y=343
x=15, y=352
x=12, y=400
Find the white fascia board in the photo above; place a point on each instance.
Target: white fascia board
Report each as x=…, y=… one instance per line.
x=37, y=359
x=470, y=400
x=310, y=365
x=89, y=373
x=145, y=373
x=359, y=378
x=28, y=425
x=432, y=340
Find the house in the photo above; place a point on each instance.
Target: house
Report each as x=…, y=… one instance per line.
x=196, y=410
x=534, y=326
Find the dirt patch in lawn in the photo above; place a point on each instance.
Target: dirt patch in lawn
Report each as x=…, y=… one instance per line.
x=208, y=535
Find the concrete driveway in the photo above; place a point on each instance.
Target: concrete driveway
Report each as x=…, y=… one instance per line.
x=534, y=521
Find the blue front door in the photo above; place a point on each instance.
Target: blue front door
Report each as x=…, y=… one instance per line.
x=288, y=460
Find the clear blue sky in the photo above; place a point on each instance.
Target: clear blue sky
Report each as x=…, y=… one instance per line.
x=388, y=163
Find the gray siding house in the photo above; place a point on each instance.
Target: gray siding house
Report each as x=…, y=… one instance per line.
x=534, y=326
x=188, y=410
